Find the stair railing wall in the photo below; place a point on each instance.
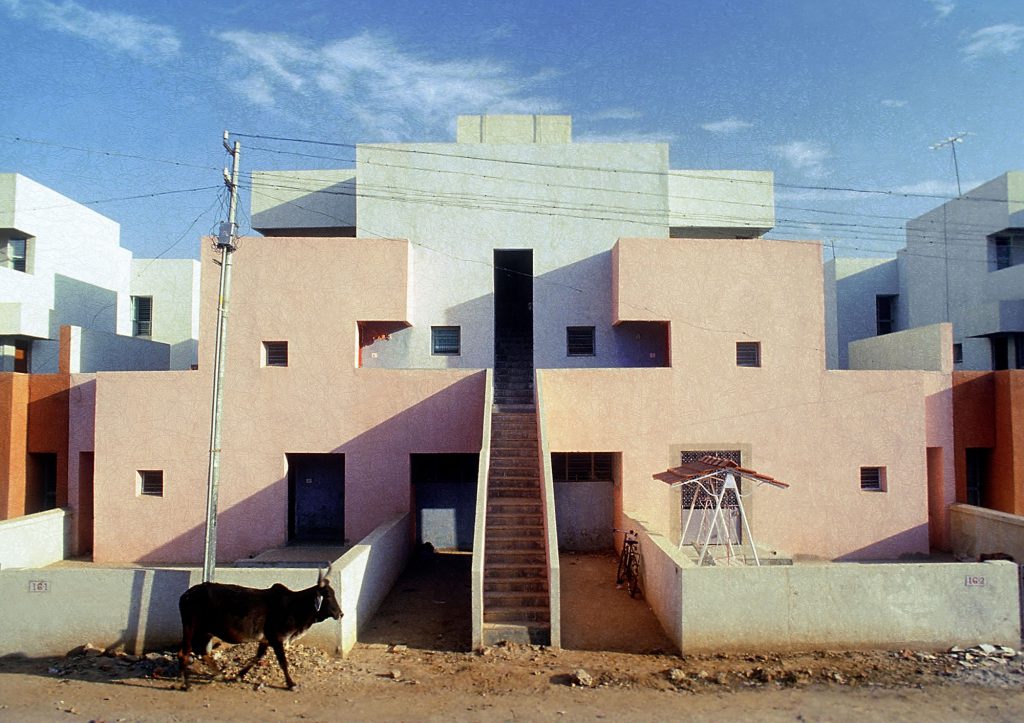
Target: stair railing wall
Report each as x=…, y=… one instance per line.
x=480, y=523
x=550, y=530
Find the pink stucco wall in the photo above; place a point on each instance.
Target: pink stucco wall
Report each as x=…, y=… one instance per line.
x=806, y=426
x=320, y=402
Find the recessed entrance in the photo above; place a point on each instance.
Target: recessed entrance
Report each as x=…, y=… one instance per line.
x=316, y=498
x=444, y=488
x=513, y=299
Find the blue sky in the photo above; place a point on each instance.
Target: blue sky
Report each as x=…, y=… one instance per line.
x=122, y=104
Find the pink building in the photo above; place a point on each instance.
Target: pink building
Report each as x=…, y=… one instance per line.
x=632, y=315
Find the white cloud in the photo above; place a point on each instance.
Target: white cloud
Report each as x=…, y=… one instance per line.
x=806, y=156
x=943, y=7
x=727, y=125
x=1000, y=39
x=129, y=34
x=932, y=187
x=893, y=103
x=617, y=114
x=388, y=89
x=626, y=137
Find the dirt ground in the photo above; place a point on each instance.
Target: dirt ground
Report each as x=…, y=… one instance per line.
x=414, y=664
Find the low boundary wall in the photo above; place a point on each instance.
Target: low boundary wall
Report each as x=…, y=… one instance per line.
x=51, y=610
x=977, y=531
x=843, y=605
x=35, y=540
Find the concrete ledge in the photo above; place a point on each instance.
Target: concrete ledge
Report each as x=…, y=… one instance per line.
x=978, y=531
x=51, y=610
x=480, y=523
x=35, y=540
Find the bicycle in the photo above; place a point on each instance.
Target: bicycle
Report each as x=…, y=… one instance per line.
x=629, y=563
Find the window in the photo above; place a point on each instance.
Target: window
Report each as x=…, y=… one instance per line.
x=579, y=340
x=446, y=340
x=22, y=355
x=885, y=314
x=748, y=353
x=15, y=254
x=142, y=316
x=872, y=479
x=958, y=353
x=275, y=353
x=582, y=466
x=1006, y=249
x=978, y=463
x=151, y=482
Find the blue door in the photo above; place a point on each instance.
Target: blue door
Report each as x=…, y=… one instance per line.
x=316, y=487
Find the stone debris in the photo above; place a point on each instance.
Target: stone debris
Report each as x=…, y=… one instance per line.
x=581, y=678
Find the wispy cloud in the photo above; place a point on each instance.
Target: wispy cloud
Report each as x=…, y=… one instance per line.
x=805, y=156
x=626, y=137
x=616, y=114
x=727, y=125
x=942, y=7
x=387, y=89
x=111, y=30
x=893, y=103
x=1002, y=39
x=933, y=187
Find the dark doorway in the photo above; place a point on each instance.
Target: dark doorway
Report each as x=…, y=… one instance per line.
x=86, y=463
x=316, y=498
x=978, y=463
x=513, y=299
x=444, y=490
x=42, y=482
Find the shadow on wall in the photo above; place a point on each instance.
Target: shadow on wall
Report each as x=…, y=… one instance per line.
x=320, y=213
x=884, y=550
x=80, y=304
x=377, y=478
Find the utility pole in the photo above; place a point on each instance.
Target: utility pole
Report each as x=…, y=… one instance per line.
x=951, y=142
x=226, y=243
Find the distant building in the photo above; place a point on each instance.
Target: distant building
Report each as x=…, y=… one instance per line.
x=963, y=264
x=73, y=302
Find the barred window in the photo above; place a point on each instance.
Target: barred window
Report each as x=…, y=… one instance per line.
x=748, y=353
x=142, y=316
x=151, y=482
x=275, y=353
x=446, y=340
x=872, y=479
x=579, y=341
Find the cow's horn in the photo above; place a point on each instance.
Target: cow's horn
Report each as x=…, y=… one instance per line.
x=325, y=574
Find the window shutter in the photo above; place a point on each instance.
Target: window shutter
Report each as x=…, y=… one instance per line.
x=748, y=353
x=579, y=340
x=276, y=353
x=151, y=483
x=445, y=340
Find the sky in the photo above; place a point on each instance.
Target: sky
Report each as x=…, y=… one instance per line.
x=122, y=105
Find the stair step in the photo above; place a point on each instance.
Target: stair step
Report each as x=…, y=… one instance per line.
x=529, y=585
x=515, y=557
x=509, y=599
x=516, y=614
x=499, y=532
x=510, y=544
x=522, y=572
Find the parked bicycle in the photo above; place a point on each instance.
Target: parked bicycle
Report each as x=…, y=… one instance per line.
x=629, y=563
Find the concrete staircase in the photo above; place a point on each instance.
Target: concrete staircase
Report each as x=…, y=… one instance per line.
x=516, y=592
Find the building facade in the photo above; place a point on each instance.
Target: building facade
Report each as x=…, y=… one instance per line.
x=647, y=318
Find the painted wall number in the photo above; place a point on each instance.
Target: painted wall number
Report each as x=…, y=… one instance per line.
x=974, y=581
x=39, y=586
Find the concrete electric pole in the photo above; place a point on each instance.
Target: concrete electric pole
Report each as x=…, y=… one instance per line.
x=226, y=243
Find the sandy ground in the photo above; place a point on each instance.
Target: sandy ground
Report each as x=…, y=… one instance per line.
x=413, y=664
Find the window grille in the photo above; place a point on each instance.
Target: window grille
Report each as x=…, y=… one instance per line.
x=16, y=253
x=579, y=341
x=885, y=314
x=582, y=466
x=275, y=353
x=872, y=479
x=693, y=456
x=142, y=316
x=748, y=353
x=151, y=483
x=446, y=340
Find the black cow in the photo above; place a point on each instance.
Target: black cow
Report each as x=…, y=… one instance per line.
x=236, y=614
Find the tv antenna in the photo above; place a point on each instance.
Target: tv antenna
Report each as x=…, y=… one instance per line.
x=951, y=142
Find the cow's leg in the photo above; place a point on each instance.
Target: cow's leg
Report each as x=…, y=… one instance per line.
x=283, y=662
x=185, y=656
x=260, y=652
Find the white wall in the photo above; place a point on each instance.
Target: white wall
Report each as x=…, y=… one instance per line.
x=851, y=286
x=34, y=540
x=174, y=286
x=926, y=348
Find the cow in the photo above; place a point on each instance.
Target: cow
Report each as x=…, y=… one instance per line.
x=234, y=614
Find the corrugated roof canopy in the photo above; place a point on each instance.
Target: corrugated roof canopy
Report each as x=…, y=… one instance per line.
x=710, y=465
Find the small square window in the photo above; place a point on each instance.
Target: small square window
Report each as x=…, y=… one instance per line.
x=275, y=353
x=748, y=353
x=151, y=482
x=872, y=479
x=446, y=340
x=579, y=341
x=958, y=353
